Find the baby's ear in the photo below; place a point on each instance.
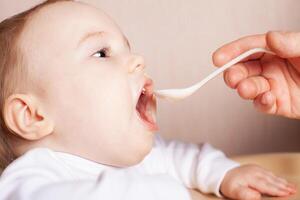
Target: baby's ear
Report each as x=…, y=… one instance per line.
x=25, y=116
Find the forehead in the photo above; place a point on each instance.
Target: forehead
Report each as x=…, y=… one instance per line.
x=65, y=23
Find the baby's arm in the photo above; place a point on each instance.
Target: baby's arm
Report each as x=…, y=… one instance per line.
x=207, y=169
x=197, y=166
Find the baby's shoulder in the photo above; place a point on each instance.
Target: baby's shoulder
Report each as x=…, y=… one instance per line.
x=36, y=162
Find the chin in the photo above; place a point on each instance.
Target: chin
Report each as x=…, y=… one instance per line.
x=139, y=154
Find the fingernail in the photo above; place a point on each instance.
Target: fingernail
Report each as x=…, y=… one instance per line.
x=284, y=193
x=292, y=189
x=266, y=99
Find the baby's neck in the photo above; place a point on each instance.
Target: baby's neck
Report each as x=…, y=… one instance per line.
x=21, y=146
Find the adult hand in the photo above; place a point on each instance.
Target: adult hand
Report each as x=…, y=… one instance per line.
x=272, y=82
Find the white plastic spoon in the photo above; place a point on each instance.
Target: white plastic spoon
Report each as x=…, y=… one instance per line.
x=179, y=94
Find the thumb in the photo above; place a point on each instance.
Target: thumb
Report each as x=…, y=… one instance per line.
x=284, y=44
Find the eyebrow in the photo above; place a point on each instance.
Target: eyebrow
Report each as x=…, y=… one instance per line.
x=100, y=34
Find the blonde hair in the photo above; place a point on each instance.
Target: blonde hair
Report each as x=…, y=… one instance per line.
x=12, y=71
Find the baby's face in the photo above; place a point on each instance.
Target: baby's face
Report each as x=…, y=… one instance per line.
x=90, y=83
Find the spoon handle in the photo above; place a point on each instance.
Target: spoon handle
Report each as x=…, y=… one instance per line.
x=177, y=94
x=227, y=65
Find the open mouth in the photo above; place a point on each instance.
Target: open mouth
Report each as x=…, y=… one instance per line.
x=146, y=106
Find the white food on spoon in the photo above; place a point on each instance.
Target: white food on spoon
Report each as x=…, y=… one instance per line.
x=179, y=94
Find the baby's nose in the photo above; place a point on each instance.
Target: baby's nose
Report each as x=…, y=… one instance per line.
x=136, y=63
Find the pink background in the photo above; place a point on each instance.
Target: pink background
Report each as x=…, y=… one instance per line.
x=177, y=38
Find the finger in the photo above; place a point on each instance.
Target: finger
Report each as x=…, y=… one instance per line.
x=266, y=103
x=264, y=186
x=283, y=188
x=286, y=187
x=268, y=178
x=233, y=76
x=276, y=181
x=251, y=87
x=246, y=193
x=237, y=47
x=293, y=187
x=282, y=184
x=284, y=44
x=240, y=71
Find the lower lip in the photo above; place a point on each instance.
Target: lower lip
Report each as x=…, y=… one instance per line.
x=150, y=125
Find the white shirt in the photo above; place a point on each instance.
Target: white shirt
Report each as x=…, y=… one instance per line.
x=170, y=168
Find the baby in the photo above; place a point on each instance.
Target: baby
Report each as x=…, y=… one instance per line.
x=78, y=119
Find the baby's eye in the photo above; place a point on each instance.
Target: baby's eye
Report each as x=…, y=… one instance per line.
x=103, y=53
